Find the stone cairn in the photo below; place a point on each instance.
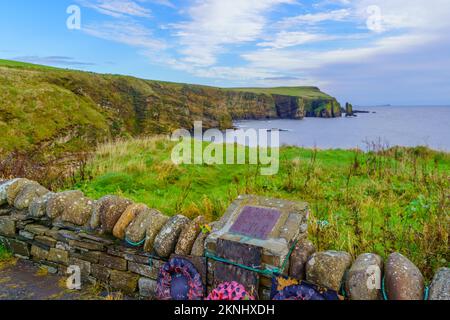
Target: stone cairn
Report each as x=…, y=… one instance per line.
x=123, y=245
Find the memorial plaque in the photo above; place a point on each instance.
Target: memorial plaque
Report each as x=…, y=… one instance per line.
x=256, y=222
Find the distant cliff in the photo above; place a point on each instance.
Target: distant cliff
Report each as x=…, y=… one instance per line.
x=63, y=111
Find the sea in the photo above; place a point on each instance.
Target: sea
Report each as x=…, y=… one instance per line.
x=381, y=126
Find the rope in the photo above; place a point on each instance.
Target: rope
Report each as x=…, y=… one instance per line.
x=267, y=271
x=135, y=244
x=426, y=292
x=343, y=292
x=385, y=297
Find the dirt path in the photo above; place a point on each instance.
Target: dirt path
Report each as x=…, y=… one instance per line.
x=22, y=280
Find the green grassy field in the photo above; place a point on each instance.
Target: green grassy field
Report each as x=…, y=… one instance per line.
x=393, y=200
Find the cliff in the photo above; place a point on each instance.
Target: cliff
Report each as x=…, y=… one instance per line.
x=56, y=111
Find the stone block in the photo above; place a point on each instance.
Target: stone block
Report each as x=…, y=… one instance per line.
x=39, y=254
x=37, y=229
x=100, y=273
x=96, y=238
x=50, y=242
x=440, y=287
x=7, y=227
x=113, y=262
x=19, y=248
x=85, y=266
x=364, y=278
x=327, y=269
x=147, y=288
x=91, y=256
x=299, y=257
x=126, y=282
x=149, y=270
x=86, y=244
x=403, y=280
x=58, y=256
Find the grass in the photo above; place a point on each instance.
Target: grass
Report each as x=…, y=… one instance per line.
x=24, y=65
x=5, y=255
x=305, y=92
x=381, y=202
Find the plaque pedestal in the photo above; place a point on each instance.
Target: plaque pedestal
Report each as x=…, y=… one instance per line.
x=254, y=223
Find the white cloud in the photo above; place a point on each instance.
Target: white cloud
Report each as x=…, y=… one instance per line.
x=408, y=14
x=118, y=8
x=289, y=60
x=285, y=39
x=314, y=18
x=214, y=24
x=128, y=33
x=166, y=3
x=269, y=47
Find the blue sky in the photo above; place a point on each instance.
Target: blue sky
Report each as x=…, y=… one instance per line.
x=362, y=51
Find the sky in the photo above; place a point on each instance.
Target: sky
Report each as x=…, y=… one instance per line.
x=367, y=52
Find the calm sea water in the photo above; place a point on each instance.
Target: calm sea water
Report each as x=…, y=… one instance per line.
x=402, y=126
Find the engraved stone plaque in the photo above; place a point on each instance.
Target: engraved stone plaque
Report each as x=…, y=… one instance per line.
x=256, y=222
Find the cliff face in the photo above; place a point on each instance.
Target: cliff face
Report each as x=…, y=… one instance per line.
x=324, y=108
x=289, y=107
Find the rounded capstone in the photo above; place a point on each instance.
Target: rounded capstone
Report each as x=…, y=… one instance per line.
x=198, y=248
x=28, y=193
x=78, y=211
x=188, y=236
x=57, y=202
x=127, y=217
x=70, y=206
x=3, y=190
x=138, y=227
x=403, y=280
x=167, y=238
x=327, y=269
x=110, y=210
x=364, y=278
x=440, y=287
x=15, y=187
x=301, y=254
x=38, y=207
x=158, y=222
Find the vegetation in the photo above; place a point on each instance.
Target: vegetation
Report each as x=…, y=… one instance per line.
x=381, y=201
x=303, y=92
x=50, y=117
x=4, y=254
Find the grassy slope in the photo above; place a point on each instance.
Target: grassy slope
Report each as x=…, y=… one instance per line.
x=40, y=105
x=359, y=202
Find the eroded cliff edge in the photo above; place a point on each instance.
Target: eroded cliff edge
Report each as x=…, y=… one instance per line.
x=64, y=111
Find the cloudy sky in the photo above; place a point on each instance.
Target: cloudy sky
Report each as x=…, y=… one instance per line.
x=363, y=51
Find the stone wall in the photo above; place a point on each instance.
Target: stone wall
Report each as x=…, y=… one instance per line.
x=57, y=230
x=124, y=245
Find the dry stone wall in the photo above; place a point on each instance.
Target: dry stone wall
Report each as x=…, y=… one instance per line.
x=124, y=245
